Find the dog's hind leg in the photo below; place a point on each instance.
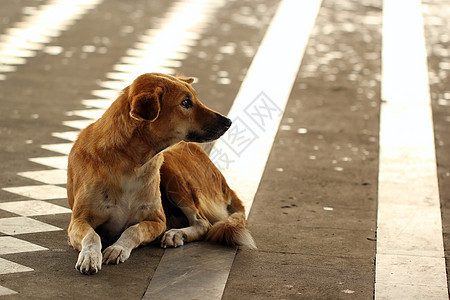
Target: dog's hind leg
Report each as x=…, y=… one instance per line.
x=198, y=227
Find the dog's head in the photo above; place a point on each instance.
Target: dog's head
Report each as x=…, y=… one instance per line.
x=168, y=108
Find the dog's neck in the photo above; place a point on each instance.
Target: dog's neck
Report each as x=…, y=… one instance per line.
x=122, y=138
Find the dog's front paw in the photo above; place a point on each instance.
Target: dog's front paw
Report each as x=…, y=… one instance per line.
x=173, y=238
x=115, y=254
x=89, y=261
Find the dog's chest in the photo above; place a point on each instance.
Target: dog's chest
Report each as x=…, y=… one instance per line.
x=132, y=188
x=138, y=199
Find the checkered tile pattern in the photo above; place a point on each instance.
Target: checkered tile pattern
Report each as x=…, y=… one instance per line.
x=21, y=213
x=21, y=216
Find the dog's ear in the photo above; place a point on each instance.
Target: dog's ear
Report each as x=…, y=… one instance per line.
x=187, y=79
x=145, y=106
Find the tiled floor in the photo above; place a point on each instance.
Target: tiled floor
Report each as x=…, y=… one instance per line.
x=27, y=217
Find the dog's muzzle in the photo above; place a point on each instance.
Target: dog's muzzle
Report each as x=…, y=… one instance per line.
x=212, y=131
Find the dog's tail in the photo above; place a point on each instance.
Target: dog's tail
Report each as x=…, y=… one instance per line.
x=231, y=232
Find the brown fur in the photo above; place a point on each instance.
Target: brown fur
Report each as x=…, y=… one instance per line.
x=113, y=172
x=190, y=180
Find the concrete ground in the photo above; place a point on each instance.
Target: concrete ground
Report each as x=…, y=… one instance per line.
x=314, y=215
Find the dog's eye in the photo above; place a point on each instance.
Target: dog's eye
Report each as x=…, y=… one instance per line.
x=186, y=103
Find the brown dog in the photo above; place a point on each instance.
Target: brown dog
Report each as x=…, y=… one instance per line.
x=113, y=181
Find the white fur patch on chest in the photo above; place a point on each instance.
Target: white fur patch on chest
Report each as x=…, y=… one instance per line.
x=131, y=187
x=139, y=197
x=141, y=188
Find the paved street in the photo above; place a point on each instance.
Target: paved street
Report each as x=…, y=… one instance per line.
x=339, y=146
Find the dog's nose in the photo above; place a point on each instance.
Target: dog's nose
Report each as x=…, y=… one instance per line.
x=227, y=122
x=223, y=121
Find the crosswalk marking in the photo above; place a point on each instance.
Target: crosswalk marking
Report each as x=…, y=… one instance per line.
x=5, y=291
x=63, y=148
x=155, y=52
x=25, y=38
x=39, y=192
x=22, y=225
x=57, y=162
x=410, y=253
x=67, y=135
x=78, y=124
x=18, y=44
x=7, y=267
x=9, y=245
x=104, y=104
x=47, y=176
x=30, y=208
x=92, y=114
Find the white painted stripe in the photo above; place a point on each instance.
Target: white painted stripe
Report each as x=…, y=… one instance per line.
x=40, y=192
x=242, y=157
x=31, y=208
x=30, y=35
x=9, y=245
x=8, y=267
x=410, y=255
x=257, y=110
x=92, y=114
x=107, y=93
x=154, y=52
x=63, y=148
x=58, y=162
x=5, y=291
x=47, y=176
x=67, y=135
x=78, y=124
x=112, y=84
x=104, y=104
x=22, y=225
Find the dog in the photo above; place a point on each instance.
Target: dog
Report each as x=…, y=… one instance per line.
x=114, y=182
